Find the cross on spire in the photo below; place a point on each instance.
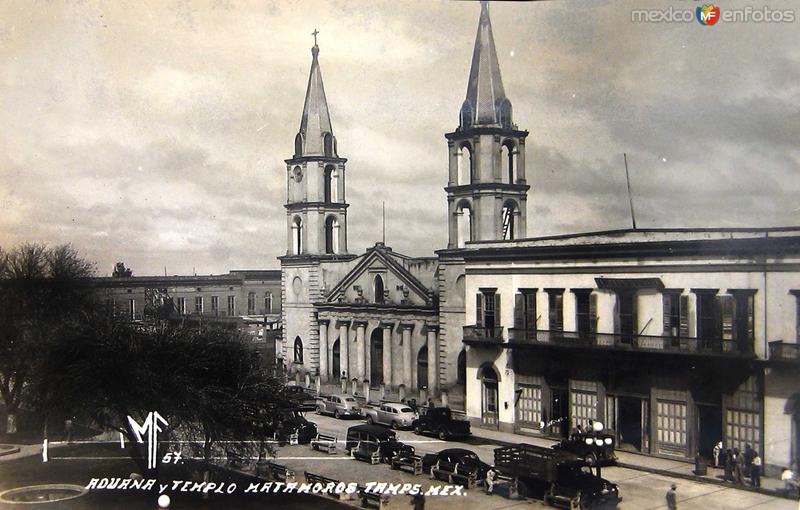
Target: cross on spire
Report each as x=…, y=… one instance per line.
x=314, y=33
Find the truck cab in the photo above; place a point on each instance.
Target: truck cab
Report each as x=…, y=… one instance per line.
x=439, y=421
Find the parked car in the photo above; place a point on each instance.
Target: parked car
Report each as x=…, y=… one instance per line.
x=448, y=458
x=596, y=448
x=372, y=436
x=559, y=478
x=340, y=406
x=440, y=422
x=301, y=398
x=286, y=422
x=394, y=415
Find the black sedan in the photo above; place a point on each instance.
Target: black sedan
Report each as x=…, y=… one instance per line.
x=285, y=423
x=301, y=398
x=447, y=460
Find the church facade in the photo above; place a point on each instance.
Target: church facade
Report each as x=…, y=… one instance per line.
x=383, y=320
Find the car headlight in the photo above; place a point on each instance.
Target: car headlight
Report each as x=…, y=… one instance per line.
x=608, y=441
x=589, y=441
x=598, y=442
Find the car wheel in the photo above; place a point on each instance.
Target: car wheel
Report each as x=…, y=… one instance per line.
x=442, y=435
x=591, y=459
x=395, y=426
x=369, y=420
x=319, y=409
x=336, y=414
x=418, y=430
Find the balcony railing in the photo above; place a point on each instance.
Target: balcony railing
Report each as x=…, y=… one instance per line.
x=484, y=334
x=626, y=342
x=780, y=351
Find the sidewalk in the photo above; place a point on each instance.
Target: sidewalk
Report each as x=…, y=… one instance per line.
x=657, y=465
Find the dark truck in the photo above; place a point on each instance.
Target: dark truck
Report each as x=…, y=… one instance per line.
x=559, y=478
x=440, y=422
x=596, y=448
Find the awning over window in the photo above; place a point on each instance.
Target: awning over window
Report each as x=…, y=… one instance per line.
x=629, y=283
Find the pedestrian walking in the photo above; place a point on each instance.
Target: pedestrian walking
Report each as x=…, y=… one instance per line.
x=738, y=467
x=672, y=497
x=418, y=502
x=68, y=429
x=490, y=476
x=755, y=470
x=717, y=451
x=728, y=465
x=748, y=457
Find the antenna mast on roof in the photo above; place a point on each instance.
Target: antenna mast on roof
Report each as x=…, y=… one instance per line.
x=630, y=196
x=383, y=205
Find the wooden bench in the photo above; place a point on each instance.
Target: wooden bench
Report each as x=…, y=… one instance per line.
x=235, y=460
x=367, y=452
x=372, y=498
x=507, y=484
x=279, y=472
x=454, y=474
x=293, y=439
x=324, y=481
x=414, y=462
x=324, y=442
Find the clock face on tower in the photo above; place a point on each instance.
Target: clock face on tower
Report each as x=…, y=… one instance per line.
x=297, y=173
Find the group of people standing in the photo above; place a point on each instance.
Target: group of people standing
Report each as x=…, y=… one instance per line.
x=738, y=465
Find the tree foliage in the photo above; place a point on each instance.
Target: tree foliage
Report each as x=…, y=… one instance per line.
x=40, y=288
x=120, y=271
x=204, y=380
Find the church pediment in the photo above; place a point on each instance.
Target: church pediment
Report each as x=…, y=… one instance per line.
x=380, y=279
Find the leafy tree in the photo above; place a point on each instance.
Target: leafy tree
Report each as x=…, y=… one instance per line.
x=120, y=271
x=204, y=380
x=40, y=288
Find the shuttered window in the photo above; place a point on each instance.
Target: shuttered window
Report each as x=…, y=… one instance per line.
x=487, y=309
x=675, y=314
x=525, y=309
x=585, y=311
x=671, y=426
x=555, y=301
x=529, y=401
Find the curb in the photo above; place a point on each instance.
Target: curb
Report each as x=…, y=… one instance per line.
x=6, y=449
x=705, y=479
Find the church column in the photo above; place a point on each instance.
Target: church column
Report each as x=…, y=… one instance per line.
x=323, y=349
x=359, y=346
x=408, y=350
x=387, y=352
x=344, y=344
x=433, y=361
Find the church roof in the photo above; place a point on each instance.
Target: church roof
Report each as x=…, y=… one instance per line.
x=486, y=103
x=316, y=121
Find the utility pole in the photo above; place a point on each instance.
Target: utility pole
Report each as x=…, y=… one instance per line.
x=630, y=196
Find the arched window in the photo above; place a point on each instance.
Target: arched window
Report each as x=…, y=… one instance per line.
x=331, y=235
x=466, y=115
x=336, y=370
x=379, y=289
x=297, y=236
x=376, y=357
x=465, y=170
x=505, y=113
x=489, y=408
x=509, y=219
x=461, y=368
x=509, y=161
x=328, y=142
x=298, y=350
x=268, y=302
x=328, y=178
x=422, y=367
x=298, y=145
x=464, y=224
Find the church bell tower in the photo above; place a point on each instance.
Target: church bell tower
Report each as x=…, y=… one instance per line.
x=315, y=206
x=486, y=189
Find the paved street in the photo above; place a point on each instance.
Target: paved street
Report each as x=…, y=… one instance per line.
x=639, y=490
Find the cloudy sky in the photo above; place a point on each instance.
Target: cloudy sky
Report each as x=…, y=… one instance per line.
x=154, y=131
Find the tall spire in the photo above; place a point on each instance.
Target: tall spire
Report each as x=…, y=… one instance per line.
x=486, y=103
x=316, y=122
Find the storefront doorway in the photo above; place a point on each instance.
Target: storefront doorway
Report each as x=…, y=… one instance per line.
x=489, y=410
x=632, y=422
x=709, y=429
x=559, y=406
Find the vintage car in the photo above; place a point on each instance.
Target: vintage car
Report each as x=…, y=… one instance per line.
x=301, y=398
x=440, y=422
x=559, y=478
x=596, y=448
x=448, y=459
x=340, y=406
x=374, y=438
x=393, y=415
x=285, y=423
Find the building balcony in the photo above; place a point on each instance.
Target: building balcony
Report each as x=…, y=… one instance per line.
x=634, y=343
x=784, y=353
x=484, y=334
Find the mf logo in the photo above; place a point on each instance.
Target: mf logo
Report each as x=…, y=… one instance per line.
x=707, y=14
x=150, y=427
